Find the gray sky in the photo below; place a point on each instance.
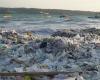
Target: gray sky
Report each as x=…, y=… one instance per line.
x=87, y=5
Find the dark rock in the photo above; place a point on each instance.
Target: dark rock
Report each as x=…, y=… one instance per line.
x=91, y=30
x=55, y=46
x=89, y=67
x=64, y=34
x=62, y=16
x=43, y=45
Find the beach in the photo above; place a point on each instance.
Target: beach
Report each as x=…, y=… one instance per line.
x=48, y=42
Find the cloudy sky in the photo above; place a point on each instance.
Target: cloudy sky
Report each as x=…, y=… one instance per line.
x=87, y=5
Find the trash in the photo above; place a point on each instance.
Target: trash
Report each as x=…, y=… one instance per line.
x=27, y=77
x=79, y=77
x=19, y=78
x=19, y=69
x=0, y=37
x=62, y=52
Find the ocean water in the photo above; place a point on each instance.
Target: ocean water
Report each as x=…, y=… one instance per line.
x=47, y=21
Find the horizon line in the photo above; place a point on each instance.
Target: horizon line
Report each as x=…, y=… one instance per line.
x=51, y=9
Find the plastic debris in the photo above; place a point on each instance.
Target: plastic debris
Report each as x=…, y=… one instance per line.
x=66, y=52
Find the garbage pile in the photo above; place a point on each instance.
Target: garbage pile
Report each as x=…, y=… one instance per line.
x=62, y=51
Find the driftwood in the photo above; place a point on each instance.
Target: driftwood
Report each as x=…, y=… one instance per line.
x=34, y=73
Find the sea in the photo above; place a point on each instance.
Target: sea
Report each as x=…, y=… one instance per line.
x=46, y=20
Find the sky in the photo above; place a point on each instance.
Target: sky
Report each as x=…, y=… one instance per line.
x=84, y=5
